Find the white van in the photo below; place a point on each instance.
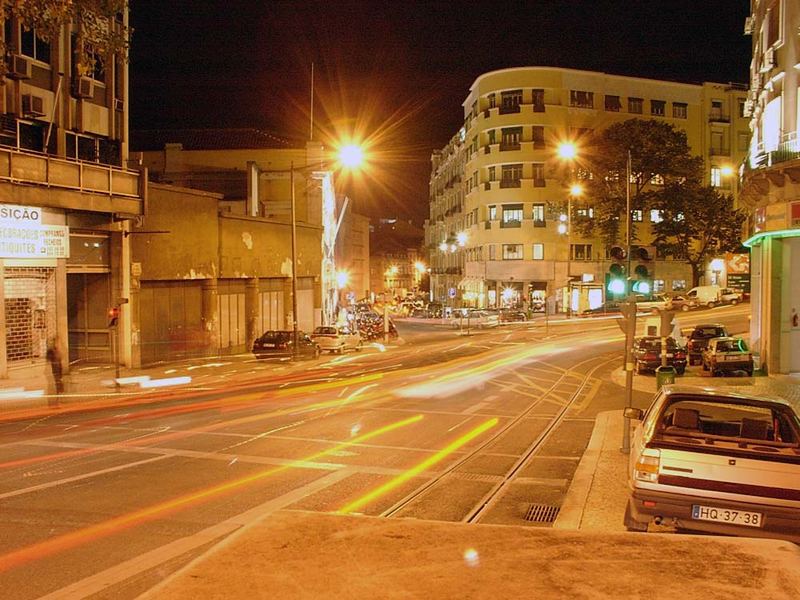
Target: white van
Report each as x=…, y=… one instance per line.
x=705, y=295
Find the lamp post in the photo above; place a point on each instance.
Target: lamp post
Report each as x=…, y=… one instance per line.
x=350, y=156
x=568, y=152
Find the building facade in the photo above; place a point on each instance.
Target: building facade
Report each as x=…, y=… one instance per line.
x=352, y=257
x=68, y=201
x=498, y=197
x=771, y=184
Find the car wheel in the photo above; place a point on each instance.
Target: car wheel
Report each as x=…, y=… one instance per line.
x=681, y=371
x=734, y=302
x=685, y=308
x=711, y=305
x=632, y=524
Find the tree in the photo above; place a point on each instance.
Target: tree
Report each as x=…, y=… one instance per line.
x=99, y=33
x=697, y=223
x=660, y=157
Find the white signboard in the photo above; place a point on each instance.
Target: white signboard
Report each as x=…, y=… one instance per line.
x=20, y=215
x=33, y=241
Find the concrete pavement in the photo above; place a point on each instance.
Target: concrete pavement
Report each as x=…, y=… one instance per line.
x=588, y=554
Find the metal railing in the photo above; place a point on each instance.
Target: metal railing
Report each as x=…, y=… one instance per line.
x=787, y=149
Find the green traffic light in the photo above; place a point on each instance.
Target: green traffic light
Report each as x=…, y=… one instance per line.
x=616, y=286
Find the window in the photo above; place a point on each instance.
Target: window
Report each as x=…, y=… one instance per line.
x=538, y=215
x=492, y=100
x=538, y=175
x=716, y=110
x=511, y=176
x=581, y=99
x=492, y=173
x=658, y=285
x=585, y=212
x=678, y=285
x=679, y=110
x=657, y=108
x=511, y=138
x=613, y=104
x=492, y=252
x=510, y=101
x=538, y=100
x=512, y=251
x=636, y=216
x=492, y=212
x=773, y=22
x=742, y=141
x=741, y=104
x=656, y=216
x=635, y=105
x=492, y=136
x=537, y=135
x=34, y=46
x=657, y=179
x=716, y=177
x=512, y=215
x=538, y=252
x=580, y=251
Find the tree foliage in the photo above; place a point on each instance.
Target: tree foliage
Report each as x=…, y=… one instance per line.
x=697, y=223
x=94, y=22
x=660, y=158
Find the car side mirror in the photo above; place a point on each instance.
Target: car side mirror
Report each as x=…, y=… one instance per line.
x=633, y=413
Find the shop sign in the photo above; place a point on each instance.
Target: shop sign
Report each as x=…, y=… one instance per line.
x=20, y=215
x=737, y=263
x=33, y=241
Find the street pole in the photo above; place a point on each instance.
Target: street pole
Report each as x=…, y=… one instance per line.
x=630, y=313
x=385, y=320
x=294, y=265
x=569, y=254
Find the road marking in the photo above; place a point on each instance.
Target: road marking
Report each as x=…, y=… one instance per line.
x=49, y=484
x=459, y=425
x=149, y=560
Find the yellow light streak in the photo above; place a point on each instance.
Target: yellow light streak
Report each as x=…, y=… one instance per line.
x=111, y=526
x=416, y=470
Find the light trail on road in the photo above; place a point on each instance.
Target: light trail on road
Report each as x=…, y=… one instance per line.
x=109, y=527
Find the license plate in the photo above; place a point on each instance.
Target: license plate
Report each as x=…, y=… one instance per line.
x=734, y=357
x=669, y=355
x=727, y=515
x=267, y=345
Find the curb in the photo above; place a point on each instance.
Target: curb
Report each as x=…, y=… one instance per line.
x=571, y=513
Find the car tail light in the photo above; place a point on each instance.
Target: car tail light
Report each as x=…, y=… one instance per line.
x=680, y=354
x=281, y=345
x=651, y=356
x=647, y=466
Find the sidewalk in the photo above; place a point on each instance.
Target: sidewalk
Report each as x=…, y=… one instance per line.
x=588, y=554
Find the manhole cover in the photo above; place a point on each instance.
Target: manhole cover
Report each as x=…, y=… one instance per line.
x=542, y=513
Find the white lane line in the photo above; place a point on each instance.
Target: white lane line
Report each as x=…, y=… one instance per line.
x=459, y=425
x=101, y=581
x=49, y=484
x=482, y=404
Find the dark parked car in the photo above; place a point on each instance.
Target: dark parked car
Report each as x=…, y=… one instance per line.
x=280, y=344
x=698, y=340
x=647, y=354
x=508, y=315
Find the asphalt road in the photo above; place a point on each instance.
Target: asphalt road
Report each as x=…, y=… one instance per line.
x=487, y=427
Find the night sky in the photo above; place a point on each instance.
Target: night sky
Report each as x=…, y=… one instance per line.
x=395, y=73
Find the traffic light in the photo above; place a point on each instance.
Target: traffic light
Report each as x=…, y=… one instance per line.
x=643, y=284
x=615, y=278
x=113, y=316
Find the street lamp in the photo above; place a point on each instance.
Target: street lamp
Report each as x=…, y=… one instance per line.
x=347, y=158
x=568, y=152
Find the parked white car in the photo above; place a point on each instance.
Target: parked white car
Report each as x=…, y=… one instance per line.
x=656, y=302
x=337, y=339
x=717, y=461
x=705, y=295
x=462, y=319
x=730, y=296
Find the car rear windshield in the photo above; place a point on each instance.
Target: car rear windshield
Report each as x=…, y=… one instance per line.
x=273, y=336
x=325, y=330
x=731, y=346
x=655, y=343
x=707, y=332
x=733, y=421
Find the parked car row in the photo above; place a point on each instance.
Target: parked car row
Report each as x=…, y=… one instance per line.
x=709, y=344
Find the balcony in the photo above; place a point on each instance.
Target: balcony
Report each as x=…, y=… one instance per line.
x=510, y=183
x=539, y=182
x=787, y=150
x=508, y=146
x=717, y=116
x=538, y=106
x=74, y=185
x=510, y=109
x=510, y=224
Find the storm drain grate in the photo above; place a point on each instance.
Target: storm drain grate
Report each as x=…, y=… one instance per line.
x=542, y=513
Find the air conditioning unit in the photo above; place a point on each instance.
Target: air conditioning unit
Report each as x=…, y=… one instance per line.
x=85, y=87
x=119, y=104
x=32, y=106
x=748, y=108
x=749, y=24
x=20, y=67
